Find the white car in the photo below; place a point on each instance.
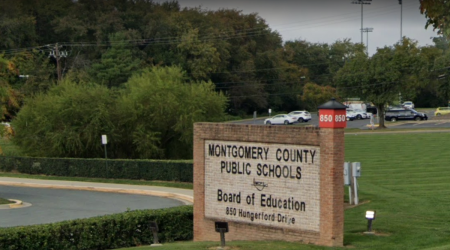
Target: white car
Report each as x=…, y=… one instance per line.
x=301, y=116
x=280, y=119
x=359, y=114
x=408, y=104
x=350, y=115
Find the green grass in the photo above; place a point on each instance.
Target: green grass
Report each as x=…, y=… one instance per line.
x=405, y=178
x=233, y=245
x=4, y=201
x=183, y=185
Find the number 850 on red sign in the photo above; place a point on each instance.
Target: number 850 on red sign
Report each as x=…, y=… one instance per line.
x=329, y=118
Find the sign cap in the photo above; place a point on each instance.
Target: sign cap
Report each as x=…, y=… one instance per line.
x=332, y=104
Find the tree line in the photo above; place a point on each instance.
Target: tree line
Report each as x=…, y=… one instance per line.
x=56, y=49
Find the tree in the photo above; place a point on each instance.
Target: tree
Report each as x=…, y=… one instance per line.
x=437, y=14
x=156, y=112
x=9, y=97
x=382, y=77
x=199, y=58
x=314, y=95
x=117, y=64
x=67, y=121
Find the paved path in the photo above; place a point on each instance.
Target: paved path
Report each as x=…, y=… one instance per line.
x=185, y=195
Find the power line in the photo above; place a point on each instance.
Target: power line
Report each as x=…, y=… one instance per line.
x=175, y=40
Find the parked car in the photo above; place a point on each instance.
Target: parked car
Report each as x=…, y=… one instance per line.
x=442, y=111
x=371, y=109
x=405, y=114
x=359, y=113
x=301, y=116
x=408, y=104
x=350, y=115
x=280, y=119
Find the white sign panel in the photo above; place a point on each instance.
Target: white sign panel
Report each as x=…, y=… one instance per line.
x=273, y=185
x=104, y=140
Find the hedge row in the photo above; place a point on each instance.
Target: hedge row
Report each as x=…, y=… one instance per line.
x=101, y=168
x=107, y=232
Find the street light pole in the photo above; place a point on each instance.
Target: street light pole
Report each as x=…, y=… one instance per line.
x=401, y=20
x=362, y=2
x=367, y=30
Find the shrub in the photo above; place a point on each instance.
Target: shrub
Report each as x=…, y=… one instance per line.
x=181, y=171
x=107, y=232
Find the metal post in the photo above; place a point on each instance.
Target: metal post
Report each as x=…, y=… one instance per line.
x=106, y=162
x=362, y=2
x=401, y=20
x=367, y=30
x=350, y=195
x=369, y=225
x=222, y=237
x=362, y=42
x=104, y=142
x=355, y=187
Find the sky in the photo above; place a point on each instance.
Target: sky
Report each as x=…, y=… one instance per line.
x=326, y=21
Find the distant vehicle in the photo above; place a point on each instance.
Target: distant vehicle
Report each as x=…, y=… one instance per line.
x=442, y=111
x=371, y=109
x=359, y=114
x=395, y=115
x=280, y=119
x=408, y=104
x=301, y=116
x=396, y=107
x=350, y=115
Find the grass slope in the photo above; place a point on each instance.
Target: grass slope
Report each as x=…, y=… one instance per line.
x=405, y=178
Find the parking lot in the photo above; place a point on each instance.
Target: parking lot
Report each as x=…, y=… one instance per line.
x=432, y=122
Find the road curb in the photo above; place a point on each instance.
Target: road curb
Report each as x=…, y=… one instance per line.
x=16, y=204
x=181, y=197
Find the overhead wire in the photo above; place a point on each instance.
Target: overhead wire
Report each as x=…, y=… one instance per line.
x=240, y=33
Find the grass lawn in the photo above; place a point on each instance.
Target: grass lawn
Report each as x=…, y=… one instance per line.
x=405, y=178
x=4, y=201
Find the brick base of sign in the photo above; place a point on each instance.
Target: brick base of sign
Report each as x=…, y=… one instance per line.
x=269, y=183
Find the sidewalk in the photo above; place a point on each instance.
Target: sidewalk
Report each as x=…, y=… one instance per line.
x=185, y=195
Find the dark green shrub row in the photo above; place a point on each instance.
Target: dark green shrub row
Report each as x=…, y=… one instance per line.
x=107, y=232
x=101, y=168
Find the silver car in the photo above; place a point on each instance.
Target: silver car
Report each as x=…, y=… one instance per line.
x=301, y=116
x=280, y=119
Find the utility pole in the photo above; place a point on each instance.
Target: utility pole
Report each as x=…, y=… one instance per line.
x=367, y=30
x=57, y=54
x=401, y=20
x=362, y=2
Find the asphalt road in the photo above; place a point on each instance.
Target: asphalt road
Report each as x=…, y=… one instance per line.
x=54, y=205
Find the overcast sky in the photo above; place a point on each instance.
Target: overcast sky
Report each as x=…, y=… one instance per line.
x=325, y=21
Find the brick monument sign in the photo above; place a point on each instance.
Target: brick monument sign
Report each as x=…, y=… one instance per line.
x=271, y=182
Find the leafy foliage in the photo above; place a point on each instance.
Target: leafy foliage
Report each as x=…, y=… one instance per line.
x=180, y=171
x=67, y=121
x=106, y=232
x=392, y=70
x=117, y=63
x=437, y=15
x=157, y=111
x=152, y=117
x=314, y=95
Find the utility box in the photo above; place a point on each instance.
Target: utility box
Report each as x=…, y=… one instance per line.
x=347, y=175
x=356, y=169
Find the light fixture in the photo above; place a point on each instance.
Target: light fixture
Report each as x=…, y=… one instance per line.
x=222, y=228
x=370, y=216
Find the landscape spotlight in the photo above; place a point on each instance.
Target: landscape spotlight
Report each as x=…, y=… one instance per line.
x=222, y=228
x=370, y=216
